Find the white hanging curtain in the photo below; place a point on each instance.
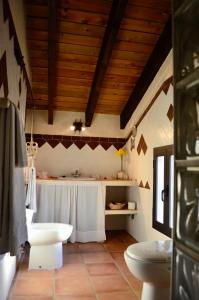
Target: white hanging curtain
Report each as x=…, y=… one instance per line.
x=81, y=205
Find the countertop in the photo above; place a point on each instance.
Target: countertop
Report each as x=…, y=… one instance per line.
x=87, y=180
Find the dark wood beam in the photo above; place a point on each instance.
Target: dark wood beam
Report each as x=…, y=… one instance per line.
x=113, y=25
x=52, y=29
x=154, y=63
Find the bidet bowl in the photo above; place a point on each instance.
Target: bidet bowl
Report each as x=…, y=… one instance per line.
x=48, y=233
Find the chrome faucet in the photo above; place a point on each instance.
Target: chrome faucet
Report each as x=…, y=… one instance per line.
x=76, y=173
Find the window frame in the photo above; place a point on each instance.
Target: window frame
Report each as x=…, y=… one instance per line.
x=165, y=151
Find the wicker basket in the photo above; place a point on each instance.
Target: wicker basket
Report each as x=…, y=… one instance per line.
x=116, y=205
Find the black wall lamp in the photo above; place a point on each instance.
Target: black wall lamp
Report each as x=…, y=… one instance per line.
x=78, y=126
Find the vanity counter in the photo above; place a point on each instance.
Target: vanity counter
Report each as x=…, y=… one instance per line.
x=77, y=181
x=80, y=203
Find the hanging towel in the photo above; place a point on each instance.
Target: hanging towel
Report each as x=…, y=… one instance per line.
x=13, y=231
x=31, y=189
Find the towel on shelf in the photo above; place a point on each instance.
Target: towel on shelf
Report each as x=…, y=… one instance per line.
x=31, y=189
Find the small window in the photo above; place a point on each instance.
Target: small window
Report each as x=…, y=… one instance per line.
x=163, y=189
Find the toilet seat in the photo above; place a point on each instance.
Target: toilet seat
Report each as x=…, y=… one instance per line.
x=151, y=251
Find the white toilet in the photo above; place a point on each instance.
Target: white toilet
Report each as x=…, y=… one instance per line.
x=46, y=243
x=150, y=262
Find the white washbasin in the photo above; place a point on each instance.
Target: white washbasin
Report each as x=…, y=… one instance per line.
x=77, y=178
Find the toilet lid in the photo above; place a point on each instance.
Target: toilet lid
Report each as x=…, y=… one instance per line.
x=152, y=251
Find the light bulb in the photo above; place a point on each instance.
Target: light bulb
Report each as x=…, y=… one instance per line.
x=72, y=127
x=83, y=128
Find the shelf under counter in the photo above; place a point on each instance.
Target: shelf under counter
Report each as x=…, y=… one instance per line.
x=120, y=212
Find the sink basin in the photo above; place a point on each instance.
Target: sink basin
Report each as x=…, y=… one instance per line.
x=81, y=178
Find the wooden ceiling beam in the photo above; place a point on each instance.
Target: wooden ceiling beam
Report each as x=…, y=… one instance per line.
x=151, y=68
x=52, y=29
x=113, y=25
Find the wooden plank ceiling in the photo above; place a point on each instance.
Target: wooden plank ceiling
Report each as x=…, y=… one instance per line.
x=80, y=28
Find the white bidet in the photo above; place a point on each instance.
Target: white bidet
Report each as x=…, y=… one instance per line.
x=46, y=243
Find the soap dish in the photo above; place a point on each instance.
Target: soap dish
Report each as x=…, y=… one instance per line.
x=116, y=205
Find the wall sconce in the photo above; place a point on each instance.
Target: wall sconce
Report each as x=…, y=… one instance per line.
x=78, y=126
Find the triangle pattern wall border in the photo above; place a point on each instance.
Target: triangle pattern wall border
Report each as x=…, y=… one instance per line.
x=146, y=186
x=79, y=141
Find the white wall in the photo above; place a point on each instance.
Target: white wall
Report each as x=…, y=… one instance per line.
x=7, y=272
x=165, y=71
x=102, y=125
x=157, y=131
x=61, y=161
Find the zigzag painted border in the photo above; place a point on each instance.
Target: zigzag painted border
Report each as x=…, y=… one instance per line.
x=79, y=141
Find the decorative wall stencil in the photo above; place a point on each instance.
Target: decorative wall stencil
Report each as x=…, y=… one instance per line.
x=142, y=146
x=79, y=141
x=17, y=50
x=164, y=87
x=53, y=143
x=3, y=74
x=147, y=186
x=93, y=145
x=141, y=184
x=170, y=113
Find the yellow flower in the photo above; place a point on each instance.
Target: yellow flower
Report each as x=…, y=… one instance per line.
x=121, y=152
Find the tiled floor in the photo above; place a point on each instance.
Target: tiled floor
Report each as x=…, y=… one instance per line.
x=91, y=271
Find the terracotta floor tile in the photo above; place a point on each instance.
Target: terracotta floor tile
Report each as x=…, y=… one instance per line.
x=111, y=283
x=134, y=282
x=117, y=296
x=71, y=248
x=126, y=238
x=102, y=269
x=70, y=258
x=76, y=298
x=117, y=255
x=30, y=298
x=122, y=266
x=111, y=240
x=33, y=287
x=26, y=274
x=115, y=247
x=72, y=270
x=91, y=247
x=88, y=269
x=98, y=257
x=119, y=236
x=74, y=286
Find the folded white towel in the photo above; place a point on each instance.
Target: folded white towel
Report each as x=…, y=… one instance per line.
x=31, y=190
